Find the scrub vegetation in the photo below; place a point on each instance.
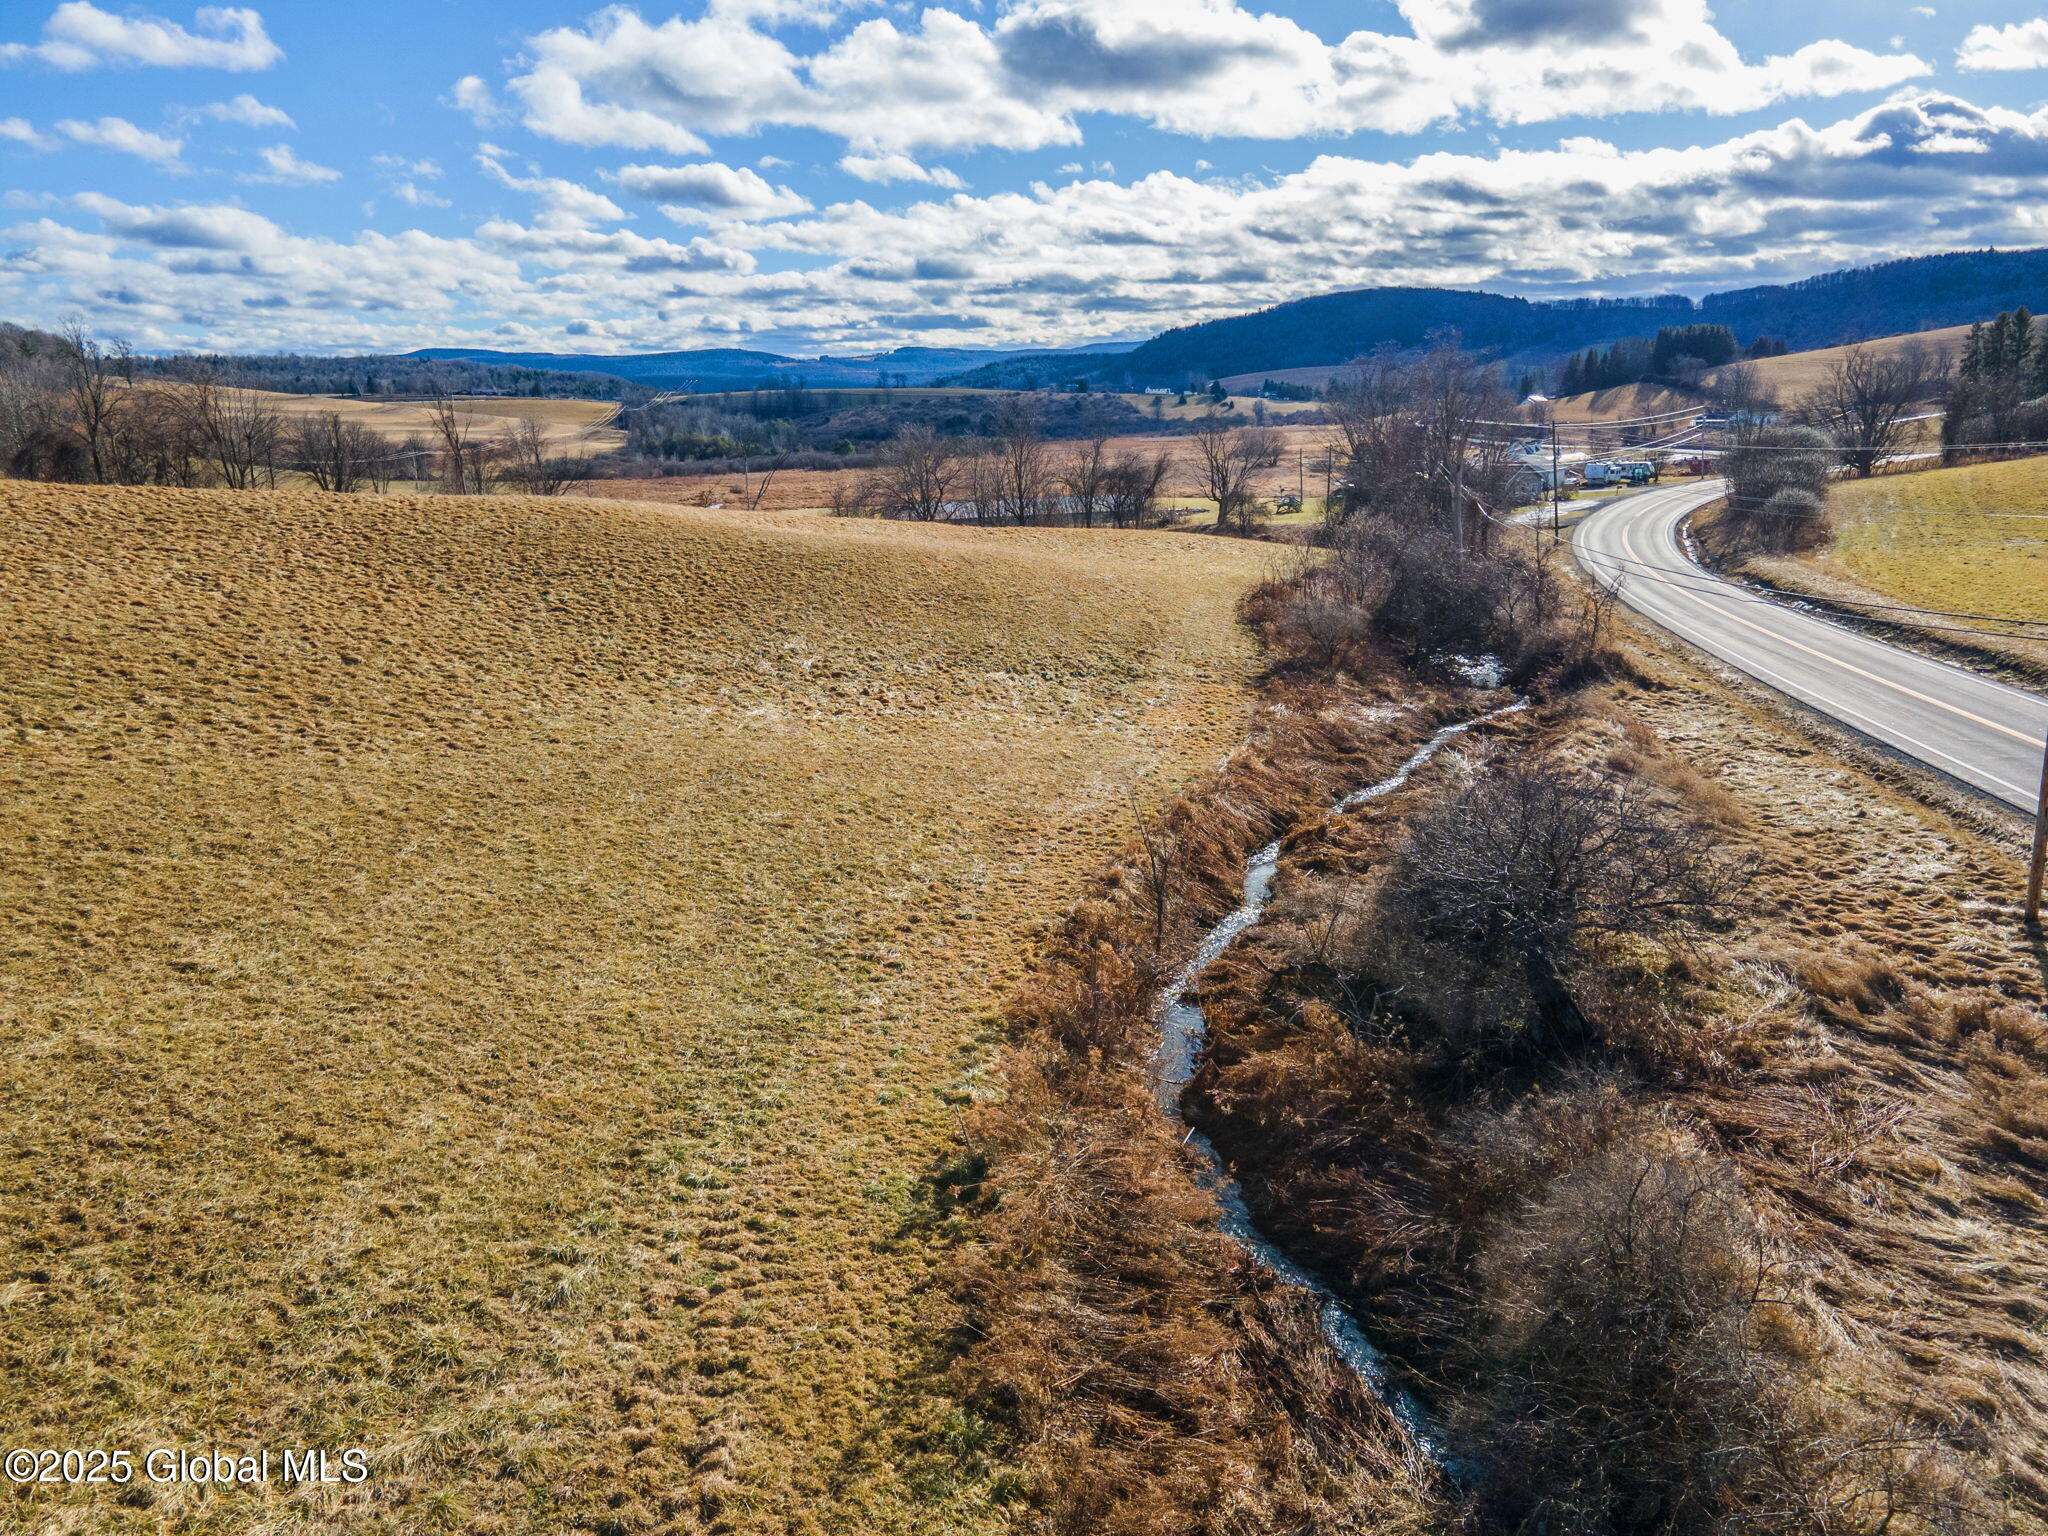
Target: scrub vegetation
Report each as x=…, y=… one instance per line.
x=1652, y=1085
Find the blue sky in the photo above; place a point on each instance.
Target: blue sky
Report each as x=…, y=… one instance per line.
x=809, y=175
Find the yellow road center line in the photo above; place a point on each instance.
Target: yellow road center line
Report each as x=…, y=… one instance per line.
x=1769, y=634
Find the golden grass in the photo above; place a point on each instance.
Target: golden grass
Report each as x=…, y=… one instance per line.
x=579, y=428
x=485, y=977
x=1797, y=372
x=1946, y=538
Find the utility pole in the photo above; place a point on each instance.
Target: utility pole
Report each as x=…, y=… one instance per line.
x=2039, y=865
x=1556, y=499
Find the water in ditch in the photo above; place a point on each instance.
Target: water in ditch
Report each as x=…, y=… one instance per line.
x=1182, y=1031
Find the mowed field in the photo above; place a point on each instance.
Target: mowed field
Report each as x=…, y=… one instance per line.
x=1973, y=538
x=486, y=977
x=579, y=428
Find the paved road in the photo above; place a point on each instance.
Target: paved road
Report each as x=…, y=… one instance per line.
x=1986, y=734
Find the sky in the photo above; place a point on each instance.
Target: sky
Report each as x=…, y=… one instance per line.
x=813, y=176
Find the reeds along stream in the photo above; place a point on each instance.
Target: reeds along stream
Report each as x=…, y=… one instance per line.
x=1182, y=1031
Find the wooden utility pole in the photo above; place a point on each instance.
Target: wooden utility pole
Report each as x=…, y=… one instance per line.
x=1556, y=512
x=2039, y=865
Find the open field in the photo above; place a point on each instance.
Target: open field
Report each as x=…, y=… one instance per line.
x=575, y=427
x=1797, y=372
x=486, y=976
x=1973, y=538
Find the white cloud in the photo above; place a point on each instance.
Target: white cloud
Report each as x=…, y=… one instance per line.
x=724, y=191
x=471, y=95
x=283, y=167
x=246, y=110
x=564, y=205
x=19, y=130
x=893, y=167
x=408, y=192
x=1922, y=172
x=1206, y=67
x=123, y=137
x=80, y=35
x=401, y=165
x=2023, y=45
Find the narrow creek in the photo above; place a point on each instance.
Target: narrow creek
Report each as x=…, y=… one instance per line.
x=1182, y=1033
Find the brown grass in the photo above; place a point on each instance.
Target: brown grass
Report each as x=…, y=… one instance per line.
x=1864, y=1053
x=486, y=977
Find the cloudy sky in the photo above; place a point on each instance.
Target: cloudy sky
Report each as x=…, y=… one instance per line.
x=809, y=175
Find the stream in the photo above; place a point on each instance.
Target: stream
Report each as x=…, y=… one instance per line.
x=1182, y=1031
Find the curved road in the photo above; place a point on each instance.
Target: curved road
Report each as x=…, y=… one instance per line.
x=1983, y=733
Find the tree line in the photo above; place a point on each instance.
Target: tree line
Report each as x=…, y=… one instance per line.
x=78, y=410
x=1016, y=476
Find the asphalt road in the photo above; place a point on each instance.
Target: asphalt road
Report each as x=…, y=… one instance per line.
x=1983, y=733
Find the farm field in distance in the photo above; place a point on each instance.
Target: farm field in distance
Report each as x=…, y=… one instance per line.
x=811, y=489
x=579, y=428
x=488, y=976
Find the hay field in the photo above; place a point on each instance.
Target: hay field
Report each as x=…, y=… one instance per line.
x=486, y=976
x=1797, y=372
x=1948, y=538
x=579, y=428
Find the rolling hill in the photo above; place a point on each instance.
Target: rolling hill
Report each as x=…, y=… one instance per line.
x=722, y=368
x=1915, y=294
x=489, y=975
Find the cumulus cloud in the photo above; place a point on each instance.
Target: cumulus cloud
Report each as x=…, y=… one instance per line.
x=562, y=204
x=1208, y=67
x=725, y=191
x=471, y=95
x=413, y=194
x=886, y=168
x=1059, y=262
x=123, y=137
x=2022, y=45
x=19, y=130
x=283, y=167
x=246, y=110
x=80, y=35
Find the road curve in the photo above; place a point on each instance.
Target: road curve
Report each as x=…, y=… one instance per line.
x=1985, y=734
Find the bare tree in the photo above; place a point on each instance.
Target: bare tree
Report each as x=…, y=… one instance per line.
x=1740, y=393
x=1413, y=435
x=1227, y=458
x=466, y=459
x=1864, y=401
x=30, y=382
x=1538, y=861
x=533, y=462
x=1132, y=483
x=95, y=377
x=1025, y=464
x=1085, y=479
x=241, y=429
x=339, y=455
x=981, y=486
x=917, y=475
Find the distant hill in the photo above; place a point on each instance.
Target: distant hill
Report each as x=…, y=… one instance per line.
x=1914, y=294
x=715, y=368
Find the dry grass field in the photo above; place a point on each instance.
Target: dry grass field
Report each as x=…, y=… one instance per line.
x=485, y=978
x=1973, y=538
x=575, y=427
